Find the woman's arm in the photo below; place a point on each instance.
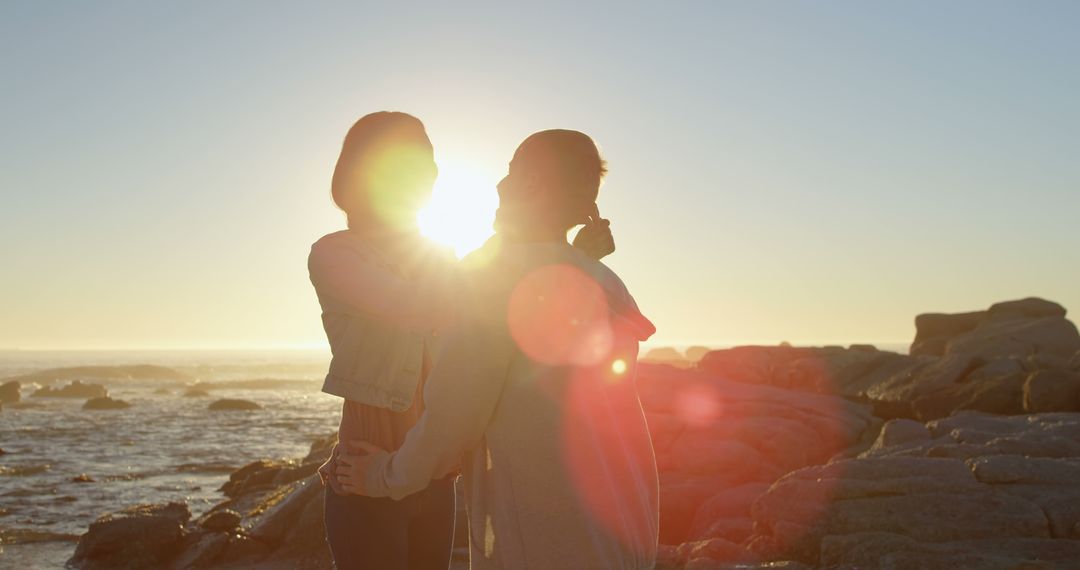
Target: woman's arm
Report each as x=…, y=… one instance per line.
x=346, y=275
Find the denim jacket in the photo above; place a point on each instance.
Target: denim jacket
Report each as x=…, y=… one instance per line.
x=377, y=321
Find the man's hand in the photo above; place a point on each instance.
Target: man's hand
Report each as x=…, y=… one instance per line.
x=595, y=239
x=353, y=465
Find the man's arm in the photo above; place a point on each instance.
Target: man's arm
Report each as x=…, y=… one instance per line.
x=461, y=395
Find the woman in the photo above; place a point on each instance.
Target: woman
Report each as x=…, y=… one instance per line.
x=385, y=292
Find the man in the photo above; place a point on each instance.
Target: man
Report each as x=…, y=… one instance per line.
x=533, y=392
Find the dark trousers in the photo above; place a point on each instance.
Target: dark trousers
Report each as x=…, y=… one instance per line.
x=415, y=533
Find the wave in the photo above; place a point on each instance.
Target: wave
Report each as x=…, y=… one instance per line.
x=23, y=470
x=128, y=372
x=28, y=536
x=206, y=468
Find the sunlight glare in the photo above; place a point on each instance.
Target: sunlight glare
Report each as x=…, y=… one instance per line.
x=462, y=207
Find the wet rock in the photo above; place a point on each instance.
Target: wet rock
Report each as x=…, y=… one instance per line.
x=195, y=393
x=202, y=550
x=83, y=478
x=10, y=392
x=105, y=403
x=251, y=477
x=227, y=404
x=146, y=536
x=76, y=389
x=224, y=520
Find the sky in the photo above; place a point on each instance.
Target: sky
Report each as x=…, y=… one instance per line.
x=779, y=171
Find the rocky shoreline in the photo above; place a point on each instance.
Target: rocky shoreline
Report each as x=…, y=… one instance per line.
x=963, y=454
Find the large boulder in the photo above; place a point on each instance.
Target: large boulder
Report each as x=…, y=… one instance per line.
x=968, y=488
x=146, y=536
x=10, y=392
x=1029, y=308
x=1018, y=337
x=933, y=330
x=712, y=435
x=75, y=389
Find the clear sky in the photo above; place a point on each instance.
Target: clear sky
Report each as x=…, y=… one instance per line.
x=801, y=171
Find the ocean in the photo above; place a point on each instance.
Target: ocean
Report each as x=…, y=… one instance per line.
x=165, y=447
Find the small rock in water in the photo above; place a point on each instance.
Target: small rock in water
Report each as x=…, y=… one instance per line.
x=83, y=478
x=105, y=403
x=10, y=392
x=196, y=393
x=2, y=452
x=231, y=404
x=75, y=389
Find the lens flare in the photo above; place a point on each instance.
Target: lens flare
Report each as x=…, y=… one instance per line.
x=558, y=315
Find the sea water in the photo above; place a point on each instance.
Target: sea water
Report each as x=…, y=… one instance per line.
x=165, y=447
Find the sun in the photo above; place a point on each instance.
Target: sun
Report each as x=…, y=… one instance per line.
x=462, y=207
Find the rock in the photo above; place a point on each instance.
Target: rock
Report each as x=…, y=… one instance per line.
x=664, y=354
x=933, y=330
x=889, y=550
x=146, y=536
x=202, y=550
x=1052, y=391
x=105, y=403
x=714, y=436
x=702, y=554
x=227, y=404
x=75, y=389
x=224, y=520
x=901, y=431
x=1003, y=395
x=970, y=490
x=83, y=478
x=196, y=393
x=1029, y=308
x=902, y=496
x=696, y=353
x=251, y=476
x=1018, y=337
x=10, y=392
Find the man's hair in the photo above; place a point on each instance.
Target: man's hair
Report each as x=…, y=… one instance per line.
x=568, y=164
x=567, y=159
x=369, y=136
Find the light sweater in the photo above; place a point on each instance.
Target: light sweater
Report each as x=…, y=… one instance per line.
x=534, y=393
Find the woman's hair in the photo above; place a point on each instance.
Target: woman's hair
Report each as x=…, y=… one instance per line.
x=566, y=165
x=386, y=169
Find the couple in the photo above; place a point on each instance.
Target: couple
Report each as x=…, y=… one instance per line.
x=514, y=367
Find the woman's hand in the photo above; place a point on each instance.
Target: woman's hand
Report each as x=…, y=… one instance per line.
x=352, y=467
